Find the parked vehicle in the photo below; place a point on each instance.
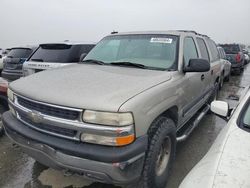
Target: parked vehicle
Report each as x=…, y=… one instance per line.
x=235, y=55
x=227, y=162
x=13, y=63
x=116, y=116
x=246, y=54
x=3, y=100
x=2, y=57
x=1, y=63
x=54, y=55
x=226, y=71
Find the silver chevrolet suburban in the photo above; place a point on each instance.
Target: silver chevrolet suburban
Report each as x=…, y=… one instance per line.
x=116, y=117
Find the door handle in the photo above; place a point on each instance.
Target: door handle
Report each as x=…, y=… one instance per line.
x=202, y=77
x=212, y=72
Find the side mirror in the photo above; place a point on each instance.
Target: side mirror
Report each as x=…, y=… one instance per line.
x=220, y=108
x=197, y=65
x=1, y=56
x=83, y=55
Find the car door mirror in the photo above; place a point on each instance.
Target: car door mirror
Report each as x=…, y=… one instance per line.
x=197, y=65
x=221, y=109
x=1, y=56
x=83, y=55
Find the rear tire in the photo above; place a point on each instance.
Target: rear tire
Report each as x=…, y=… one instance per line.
x=160, y=154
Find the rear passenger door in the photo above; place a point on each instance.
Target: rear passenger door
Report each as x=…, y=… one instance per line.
x=215, y=62
x=194, y=81
x=204, y=54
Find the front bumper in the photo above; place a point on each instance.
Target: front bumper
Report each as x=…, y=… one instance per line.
x=116, y=165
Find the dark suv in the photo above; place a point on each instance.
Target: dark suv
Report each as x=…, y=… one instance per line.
x=235, y=55
x=13, y=63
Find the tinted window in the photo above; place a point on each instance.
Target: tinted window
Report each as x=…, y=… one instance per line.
x=231, y=48
x=19, y=53
x=203, y=48
x=246, y=117
x=156, y=51
x=190, y=51
x=60, y=53
x=214, y=51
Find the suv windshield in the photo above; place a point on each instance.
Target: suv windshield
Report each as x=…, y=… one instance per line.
x=19, y=53
x=231, y=49
x=155, y=51
x=60, y=53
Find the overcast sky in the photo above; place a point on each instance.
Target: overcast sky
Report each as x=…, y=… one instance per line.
x=38, y=21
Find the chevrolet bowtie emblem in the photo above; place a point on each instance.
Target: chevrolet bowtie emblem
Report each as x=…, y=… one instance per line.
x=35, y=116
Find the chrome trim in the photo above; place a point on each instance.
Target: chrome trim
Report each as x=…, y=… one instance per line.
x=74, y=125
x=52, y=105
x=45, y=131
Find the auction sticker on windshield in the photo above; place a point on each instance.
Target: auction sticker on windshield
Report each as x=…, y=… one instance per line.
x=162, y=40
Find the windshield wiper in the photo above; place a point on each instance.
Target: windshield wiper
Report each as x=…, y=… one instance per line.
x=94, y=61
x=39, y=60
x=126, y=63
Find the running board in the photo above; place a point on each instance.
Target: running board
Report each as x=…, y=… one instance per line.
x=193, y=124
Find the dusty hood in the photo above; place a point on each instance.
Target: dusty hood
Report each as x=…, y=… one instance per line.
x=88, y=86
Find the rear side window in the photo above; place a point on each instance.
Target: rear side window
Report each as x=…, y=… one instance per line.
x=189, y=50
x=60, y=53
x=203, y=49
x=19, y=53
x=222, y=53
x=214, y=51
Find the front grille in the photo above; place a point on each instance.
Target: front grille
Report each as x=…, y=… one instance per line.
x=49, y=110
x=49, y=128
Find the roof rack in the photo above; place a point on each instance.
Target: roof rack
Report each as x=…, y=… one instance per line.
x=188, y=31
x=114, y=32
x=191, y=31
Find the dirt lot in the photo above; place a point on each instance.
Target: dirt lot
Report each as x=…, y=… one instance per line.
x=18, y=170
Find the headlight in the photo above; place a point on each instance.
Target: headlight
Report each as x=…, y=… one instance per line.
x=108, y=118
x=112, y=136
x=10, y=94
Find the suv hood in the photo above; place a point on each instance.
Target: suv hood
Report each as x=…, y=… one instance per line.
x=96, y=87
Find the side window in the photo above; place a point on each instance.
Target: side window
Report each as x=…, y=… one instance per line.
x=224, y=54
x=189, y=50
x=214, y=51
x=203, y=49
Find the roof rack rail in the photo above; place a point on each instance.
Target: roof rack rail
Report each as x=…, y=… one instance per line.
x=191, y=31
x=188, y=31
x=114, y=32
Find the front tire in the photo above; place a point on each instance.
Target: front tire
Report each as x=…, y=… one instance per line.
x=160, y=154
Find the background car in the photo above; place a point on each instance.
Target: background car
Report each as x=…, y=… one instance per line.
x=235, y=55
x=1, y=63
x=13, y=63
x=3, y=100
x=247, y=54
x=227, y=163
x=54, y=55
x=226, y=72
